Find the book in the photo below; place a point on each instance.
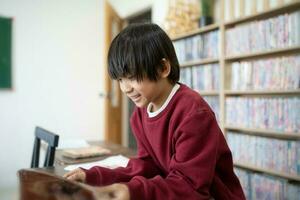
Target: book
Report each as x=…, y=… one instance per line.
x=272, y=113
x=277, y=32
x=278, y=73
x=85, y=152
x=260, y=186
x=110, y=162
x=267, y=153
x=197, y=47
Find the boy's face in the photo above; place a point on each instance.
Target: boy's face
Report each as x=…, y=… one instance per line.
x=141, y=93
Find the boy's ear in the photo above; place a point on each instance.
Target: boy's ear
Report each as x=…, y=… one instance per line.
x=166, y=68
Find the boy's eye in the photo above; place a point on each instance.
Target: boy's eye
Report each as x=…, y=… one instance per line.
x=131, y=78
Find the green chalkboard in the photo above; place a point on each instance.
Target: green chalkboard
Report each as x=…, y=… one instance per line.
x=5, y=53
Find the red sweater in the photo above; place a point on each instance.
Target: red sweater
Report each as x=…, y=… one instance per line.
x=182, y=154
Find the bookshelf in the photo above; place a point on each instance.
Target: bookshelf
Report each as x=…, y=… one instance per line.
x=284, y=94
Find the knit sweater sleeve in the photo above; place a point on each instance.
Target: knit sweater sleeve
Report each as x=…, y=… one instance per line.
x=192, y=167
x=141, y=165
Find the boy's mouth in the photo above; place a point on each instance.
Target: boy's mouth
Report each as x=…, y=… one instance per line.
x=135, y=97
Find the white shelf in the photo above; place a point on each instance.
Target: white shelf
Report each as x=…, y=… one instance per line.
x=199, y=62
x=262, y=92
x=295, y=49
x=197, y=31
x=266, y=133
x=208, y=93
x=268, y=171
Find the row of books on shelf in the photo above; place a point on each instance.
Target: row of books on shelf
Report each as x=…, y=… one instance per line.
x=203, y=77
x=214, y=103
x=280, y=73
x=198, y=47
x=276, y=32
x=257, y=186
x=275, y=113
x=282, y=156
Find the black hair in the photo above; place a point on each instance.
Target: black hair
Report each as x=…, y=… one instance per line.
x=137, y=52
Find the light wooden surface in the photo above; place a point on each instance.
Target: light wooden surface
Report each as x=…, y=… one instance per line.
x=268, y=171
x=199, y=62
x=197, y=31
x=273, y=52
x=262, y=92
x=115, y=149
x=265, y=133
x=37, y=183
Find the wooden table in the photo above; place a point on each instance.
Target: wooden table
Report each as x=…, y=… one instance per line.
x=114, y=148
x=47, y=183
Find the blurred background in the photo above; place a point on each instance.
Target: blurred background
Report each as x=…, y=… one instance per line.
x=242, y=56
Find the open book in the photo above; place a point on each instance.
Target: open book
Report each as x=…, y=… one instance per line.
x=85, y=152
x=111, y=162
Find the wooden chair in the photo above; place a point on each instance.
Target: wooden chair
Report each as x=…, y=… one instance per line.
x=42, y=185
x=51, y=139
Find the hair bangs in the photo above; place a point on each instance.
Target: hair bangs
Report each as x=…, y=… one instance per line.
x=137, y=52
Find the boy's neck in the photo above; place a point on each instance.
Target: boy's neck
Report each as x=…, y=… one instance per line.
x=162, y=97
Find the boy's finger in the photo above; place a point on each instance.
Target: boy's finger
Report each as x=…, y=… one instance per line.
x=74, y=177
x=71, y=173
x=68, y=174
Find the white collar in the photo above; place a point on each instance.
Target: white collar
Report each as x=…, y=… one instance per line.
x=150, y=105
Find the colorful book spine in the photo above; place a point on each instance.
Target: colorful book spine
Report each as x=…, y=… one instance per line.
x=272, y=113
x=186, y=76
x=281, y=73
x=267, y=153
x=274, y=33
x=214, y=103
x=206, y=77
x=197, y=47
x=258, y=186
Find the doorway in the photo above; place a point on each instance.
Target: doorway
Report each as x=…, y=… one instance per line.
x=141, y=17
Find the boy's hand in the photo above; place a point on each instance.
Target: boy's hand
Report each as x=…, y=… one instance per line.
x=76, y=175
x=115, y=191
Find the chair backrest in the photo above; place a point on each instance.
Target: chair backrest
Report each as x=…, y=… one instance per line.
x=51, y=139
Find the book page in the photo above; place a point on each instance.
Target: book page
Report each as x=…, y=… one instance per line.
x=111, y=162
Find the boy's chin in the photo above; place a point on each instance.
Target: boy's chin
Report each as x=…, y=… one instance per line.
x=141, y=104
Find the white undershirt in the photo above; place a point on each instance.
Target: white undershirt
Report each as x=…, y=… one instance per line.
x=150, y=105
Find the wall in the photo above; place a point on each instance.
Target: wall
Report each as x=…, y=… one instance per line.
x=57, y=76
x=126, y=8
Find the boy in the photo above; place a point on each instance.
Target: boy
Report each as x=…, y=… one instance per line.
x=182, y=153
